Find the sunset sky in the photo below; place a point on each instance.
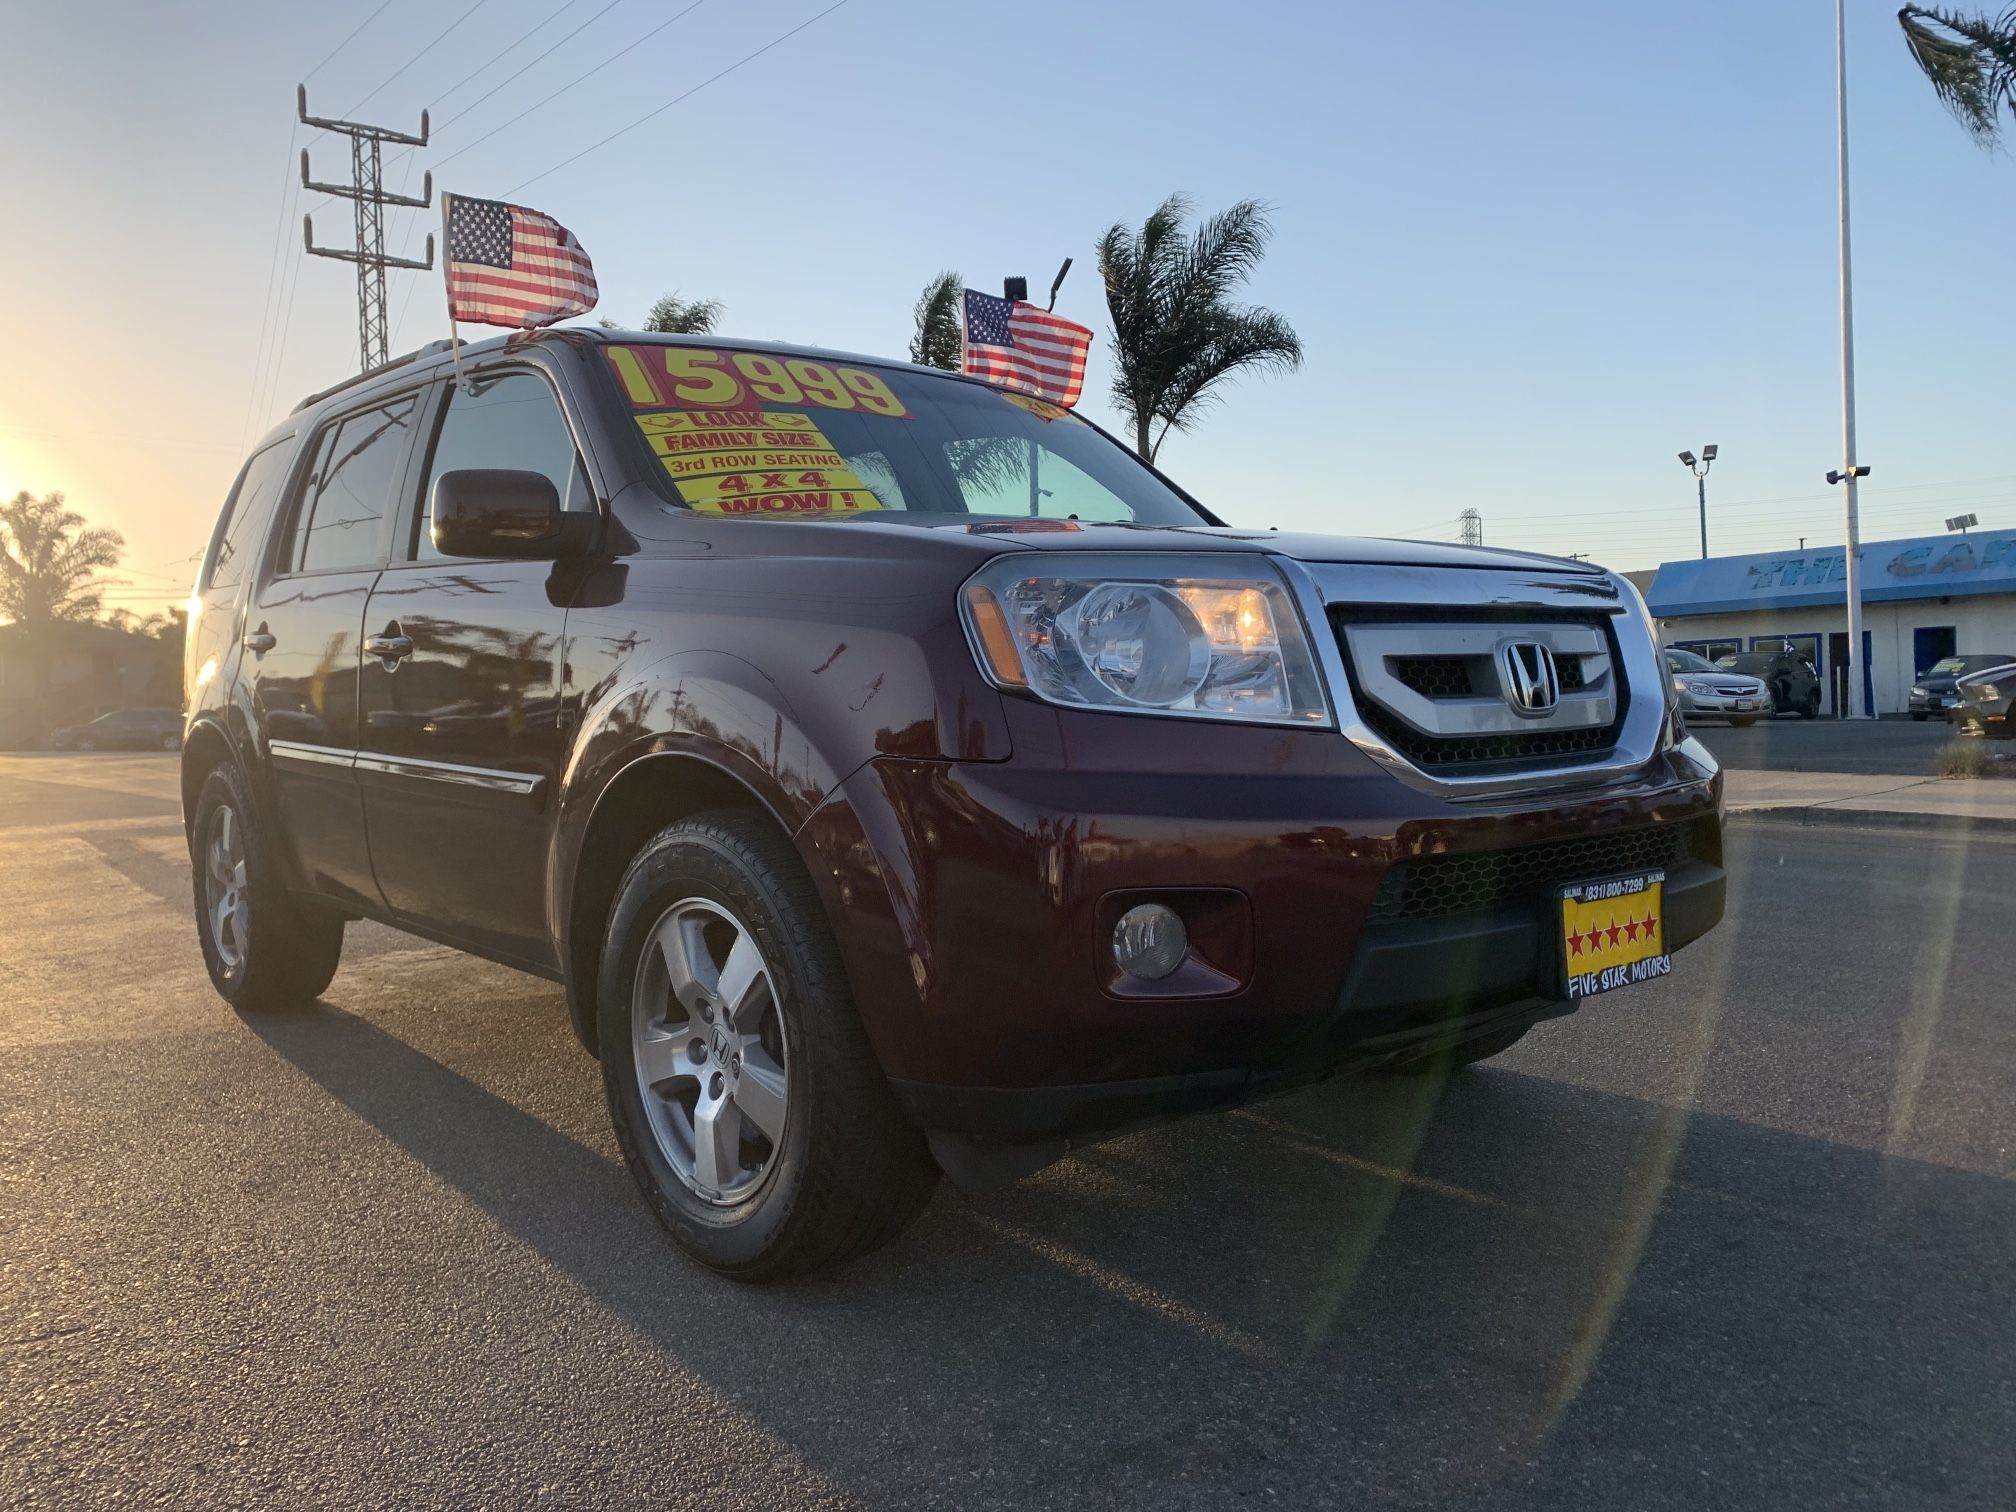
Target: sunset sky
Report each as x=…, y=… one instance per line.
x=1533, y=251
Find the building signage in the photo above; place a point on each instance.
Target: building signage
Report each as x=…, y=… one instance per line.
x=1926, y=567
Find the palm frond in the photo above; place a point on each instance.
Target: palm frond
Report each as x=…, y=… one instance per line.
x=684, y=317
x=1176, y=333
x=936, y=341
x=1970, y=62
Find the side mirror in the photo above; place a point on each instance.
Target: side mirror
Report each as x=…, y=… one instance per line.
x=491, y=512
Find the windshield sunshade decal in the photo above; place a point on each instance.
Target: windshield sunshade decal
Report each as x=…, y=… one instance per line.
x=754, y=462
x=683, y=377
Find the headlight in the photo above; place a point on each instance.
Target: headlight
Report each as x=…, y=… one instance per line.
x=1150, y=635
x=1700, y=687
x=1920, y=692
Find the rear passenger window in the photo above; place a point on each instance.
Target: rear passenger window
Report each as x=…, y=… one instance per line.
x=345, y=500
x=250, y=508
x=513, y=423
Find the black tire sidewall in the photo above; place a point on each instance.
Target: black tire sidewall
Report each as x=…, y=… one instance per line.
x=292, y=952
x=691, y=861
x=220, y=789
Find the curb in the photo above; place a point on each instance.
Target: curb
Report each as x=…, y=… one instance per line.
x=1822, y=816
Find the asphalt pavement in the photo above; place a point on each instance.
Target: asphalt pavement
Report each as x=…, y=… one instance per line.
x=1740, y=1237
x=1828, y=745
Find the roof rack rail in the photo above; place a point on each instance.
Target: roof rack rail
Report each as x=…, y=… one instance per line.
x=429, y=350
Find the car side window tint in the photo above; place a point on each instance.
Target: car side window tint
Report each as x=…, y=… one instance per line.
x=512, y=423
x=344, y=501
x=251, y=507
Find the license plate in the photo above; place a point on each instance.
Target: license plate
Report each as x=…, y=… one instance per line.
x=1613, y=934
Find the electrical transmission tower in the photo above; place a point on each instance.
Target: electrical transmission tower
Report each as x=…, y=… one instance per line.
x=366, y=188
x=1473, y=527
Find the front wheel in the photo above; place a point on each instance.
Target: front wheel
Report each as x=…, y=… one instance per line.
x=749, y=1106
x=264, y=951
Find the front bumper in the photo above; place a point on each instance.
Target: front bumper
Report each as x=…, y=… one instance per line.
x=1353, y=917
x=1932, y=703
x=1993, y=719
x=1714, y=706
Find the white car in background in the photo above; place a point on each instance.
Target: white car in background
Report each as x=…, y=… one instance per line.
x=1706, y=691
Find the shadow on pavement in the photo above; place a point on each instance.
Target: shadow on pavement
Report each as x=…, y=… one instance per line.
x=1500, y=1289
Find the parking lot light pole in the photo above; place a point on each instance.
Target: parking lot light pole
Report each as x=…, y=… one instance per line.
x=1699, y=467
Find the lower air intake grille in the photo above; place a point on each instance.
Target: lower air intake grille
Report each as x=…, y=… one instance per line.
x=1434, y=887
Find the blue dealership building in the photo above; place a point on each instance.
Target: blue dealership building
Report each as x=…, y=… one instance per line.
x=1922, y=599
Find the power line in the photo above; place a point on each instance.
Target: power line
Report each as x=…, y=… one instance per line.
x=439, y=38
x=345, y=42
x=676, y=99
x=531, y=63
x=622, y=52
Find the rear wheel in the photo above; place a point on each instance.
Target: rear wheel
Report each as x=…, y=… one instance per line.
x=747, y=1101
x=264, y=950
x=1811, y=708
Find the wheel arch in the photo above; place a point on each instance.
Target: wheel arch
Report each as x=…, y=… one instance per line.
x=204, y=749
x=656, y=789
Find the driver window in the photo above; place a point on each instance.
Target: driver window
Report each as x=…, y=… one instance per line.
x=511, y=422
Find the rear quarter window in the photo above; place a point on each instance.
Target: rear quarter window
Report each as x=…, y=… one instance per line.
x=247, y=514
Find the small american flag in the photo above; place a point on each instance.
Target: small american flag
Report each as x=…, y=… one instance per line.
x=1024, y=347
x=511, y=266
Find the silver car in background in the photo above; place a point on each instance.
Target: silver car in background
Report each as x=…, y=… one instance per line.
x=1706, y=691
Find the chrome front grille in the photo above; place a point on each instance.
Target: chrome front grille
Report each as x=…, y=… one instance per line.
x=1432, y=686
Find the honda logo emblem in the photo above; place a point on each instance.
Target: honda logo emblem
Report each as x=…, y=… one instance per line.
x=1526, y=674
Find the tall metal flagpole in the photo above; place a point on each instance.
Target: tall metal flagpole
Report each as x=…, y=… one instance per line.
x=1858, y=672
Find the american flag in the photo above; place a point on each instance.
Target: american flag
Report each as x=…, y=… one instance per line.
x=511, y=266
x=1024, y=347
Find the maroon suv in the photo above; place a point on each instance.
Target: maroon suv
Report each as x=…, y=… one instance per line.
x=898, y=774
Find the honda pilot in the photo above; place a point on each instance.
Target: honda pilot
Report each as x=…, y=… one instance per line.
x=900, y=776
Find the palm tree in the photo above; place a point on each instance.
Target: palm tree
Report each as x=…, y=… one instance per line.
x=48, y=558
x=938, y=342
x=1971, y=62
x=684, y=317
x=1176, y=333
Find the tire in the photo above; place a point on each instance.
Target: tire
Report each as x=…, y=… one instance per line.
x=1464, y=1053
x=265, y=952
x=1921, y=718
x=85, y=743
x=1811, y=708
x=840, y=1171
x=171, y=742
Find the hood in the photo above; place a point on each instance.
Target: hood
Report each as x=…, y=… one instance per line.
x=1063, y=535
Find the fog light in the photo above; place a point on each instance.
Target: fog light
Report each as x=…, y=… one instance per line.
x=1150, y=941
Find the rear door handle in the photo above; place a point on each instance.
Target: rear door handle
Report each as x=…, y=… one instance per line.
x=260, y=641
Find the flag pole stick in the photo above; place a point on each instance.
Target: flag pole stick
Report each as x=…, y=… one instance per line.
x=448, y=288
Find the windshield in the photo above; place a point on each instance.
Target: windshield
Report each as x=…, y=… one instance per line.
x=771, y=435
x=1687, y=661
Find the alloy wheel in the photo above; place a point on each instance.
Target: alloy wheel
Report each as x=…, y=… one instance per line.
x=229, y=909
x=707, y=1039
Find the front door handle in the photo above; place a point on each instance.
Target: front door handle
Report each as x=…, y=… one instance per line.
x=389, y=645
x=260, y=641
